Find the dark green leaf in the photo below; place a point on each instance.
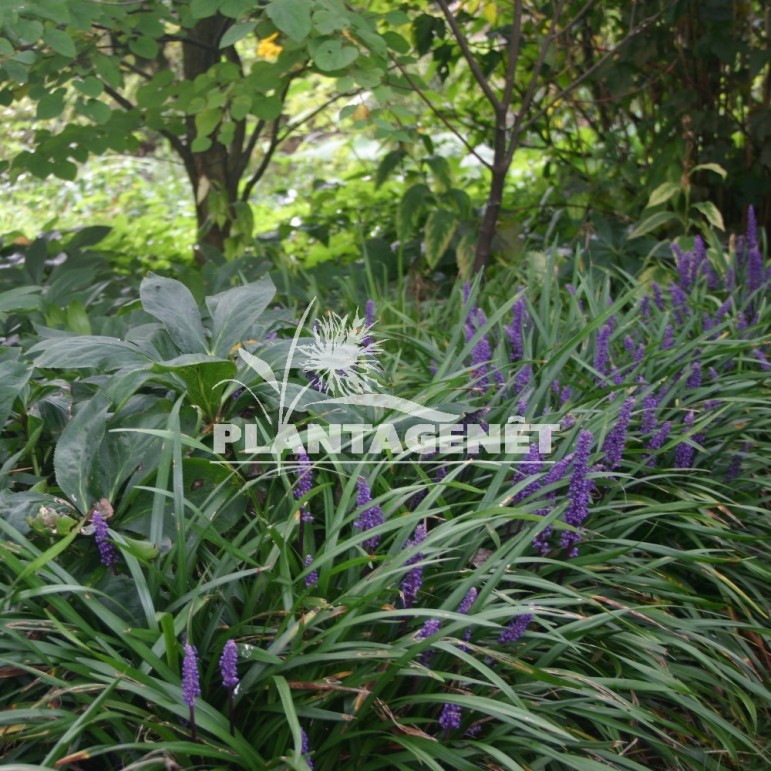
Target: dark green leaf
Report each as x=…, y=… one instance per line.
x=202, y=9
x=13, y=377
x=332, y=55
x=440, y=228
x=235, y=311
x=60, y=41
x=237, y=32
x=292, y=17
x=77, y=451
x=173, y=305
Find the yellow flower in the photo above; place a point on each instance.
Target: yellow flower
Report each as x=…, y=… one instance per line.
x=268, y=49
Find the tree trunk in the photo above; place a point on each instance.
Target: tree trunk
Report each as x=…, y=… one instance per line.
x=500, y=167
x=210, y=171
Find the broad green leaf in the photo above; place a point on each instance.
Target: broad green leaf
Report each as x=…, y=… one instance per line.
x=332, y=55
x=99, y=352
x=88, y=236
x=202, y=9
x=235, y=311
x=98, y=111
x=237, y=32
x=653, y=222
x=201, y=144
x=235, y=8
x=327, y=21
x=267, y=107
x=91, y=87
x=78, y=450
x=440, y=228
x=465, y=252
x=409, y=208
x=173, y=305
x=204, y=378
x=292, y=17
x=207, y=121
x=64, y=169
x=663, y=193
x=25, y=298
x=240, y=107
x=712, y=214
x=50, y=106
x=387, y=165
x=144, y=47
x=13, y=377
x=60, y=41
x=28, y=30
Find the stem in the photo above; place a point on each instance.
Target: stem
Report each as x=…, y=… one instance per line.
x=231, y=712
x=193, y=735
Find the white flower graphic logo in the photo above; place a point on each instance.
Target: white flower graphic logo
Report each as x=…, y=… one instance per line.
x=342, y=357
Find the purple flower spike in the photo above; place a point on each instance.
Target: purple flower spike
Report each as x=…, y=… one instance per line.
x=413, y=581
x=306, y=748
x=229, y=664
x=615, y=441
x=735, y=467
x=449, y=720
x=657, y=442
x=669, y=338
x=304, y=482
x=762, y=359
x=313, y=577
x=684, y=271
x=684, y=453
x=657, y=297
x=515, y=332
x=645, y=308
x=579, y=493
x=430, y=628
x=191, y=688
x=370, y=517
x=679, y=302
x=468, y=601
x=694, y=379
x=481, y=355
x=648, y=420
x=755, y=272
x=515, y=629
x=107, y=552
x=530, y=466
x=601, y=350
x=523, y=378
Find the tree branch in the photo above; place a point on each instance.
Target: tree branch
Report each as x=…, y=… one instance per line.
x=514, y=43
x=272, y=145
x=291, y=127
x=414, y=86
x=517, y=128
x=468, y=56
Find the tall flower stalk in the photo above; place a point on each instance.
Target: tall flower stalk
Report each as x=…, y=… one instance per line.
x=228, y=669
x=191, y=687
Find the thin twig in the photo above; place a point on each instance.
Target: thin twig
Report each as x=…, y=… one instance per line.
x=473, y=64
x=272, y=145
x=414, y=86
